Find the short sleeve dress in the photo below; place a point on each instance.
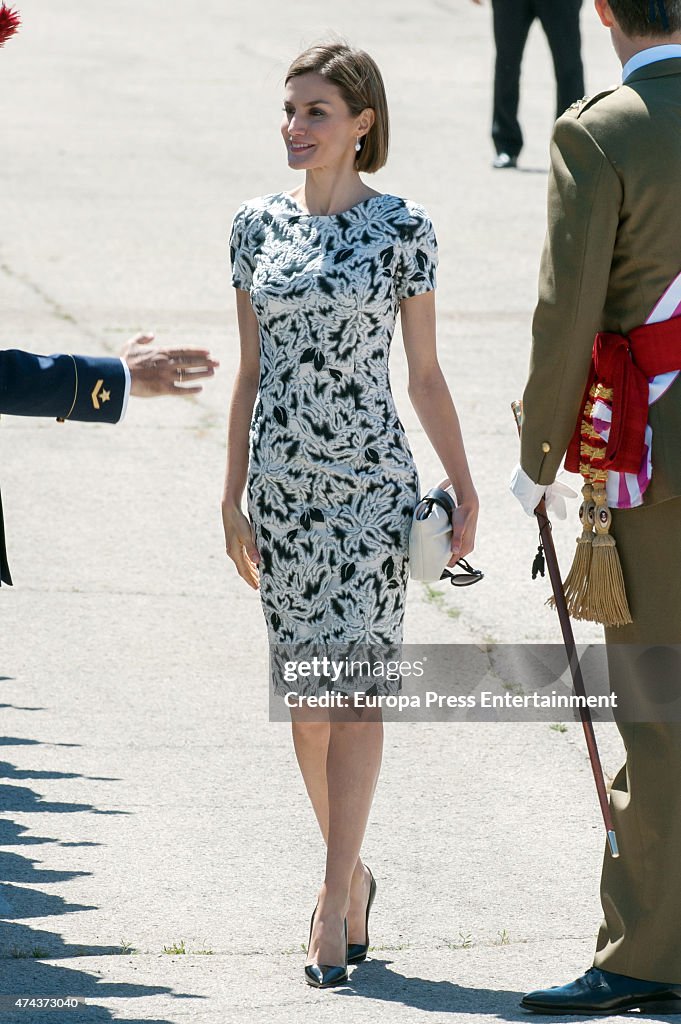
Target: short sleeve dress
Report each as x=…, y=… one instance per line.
x=332, y=482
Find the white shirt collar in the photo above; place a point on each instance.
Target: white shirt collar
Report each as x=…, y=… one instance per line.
x=649, y=56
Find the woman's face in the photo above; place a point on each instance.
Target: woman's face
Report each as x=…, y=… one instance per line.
x=318, y=129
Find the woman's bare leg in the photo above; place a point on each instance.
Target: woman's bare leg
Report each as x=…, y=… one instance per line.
x=340, y=761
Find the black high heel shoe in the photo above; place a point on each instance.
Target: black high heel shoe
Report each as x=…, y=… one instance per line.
x=357, y=951
x=325, y=975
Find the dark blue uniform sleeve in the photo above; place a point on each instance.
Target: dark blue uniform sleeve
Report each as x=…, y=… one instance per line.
x=64, y=386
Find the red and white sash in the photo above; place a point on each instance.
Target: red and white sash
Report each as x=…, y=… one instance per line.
x=626, y=490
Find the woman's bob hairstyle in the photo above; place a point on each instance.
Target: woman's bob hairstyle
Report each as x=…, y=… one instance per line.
x=359, y=81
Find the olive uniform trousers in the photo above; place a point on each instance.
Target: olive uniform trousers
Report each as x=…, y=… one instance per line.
x=641, y=890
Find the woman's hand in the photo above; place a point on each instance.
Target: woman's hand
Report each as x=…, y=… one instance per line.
x=464, y=523
x=240, y=544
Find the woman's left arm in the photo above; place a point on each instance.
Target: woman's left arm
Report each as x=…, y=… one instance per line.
x=432, y=402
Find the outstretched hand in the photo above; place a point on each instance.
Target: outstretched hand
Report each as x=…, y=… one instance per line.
x=165, y=371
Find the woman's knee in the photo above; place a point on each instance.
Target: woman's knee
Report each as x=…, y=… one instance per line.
x=348, y=719
x=311, y=732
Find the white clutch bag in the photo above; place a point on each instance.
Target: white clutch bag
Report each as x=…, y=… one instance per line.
x=430, y=540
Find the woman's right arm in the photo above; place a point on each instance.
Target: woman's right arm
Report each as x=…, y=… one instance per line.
x=239, y=540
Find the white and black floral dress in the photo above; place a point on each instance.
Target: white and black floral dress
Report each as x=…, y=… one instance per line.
x=332, y=482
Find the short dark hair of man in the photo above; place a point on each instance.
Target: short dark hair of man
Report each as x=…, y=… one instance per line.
x=644, y=17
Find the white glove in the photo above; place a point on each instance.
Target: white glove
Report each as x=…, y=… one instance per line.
x=529, y=494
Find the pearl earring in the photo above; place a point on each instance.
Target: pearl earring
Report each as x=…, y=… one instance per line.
x=358, y=145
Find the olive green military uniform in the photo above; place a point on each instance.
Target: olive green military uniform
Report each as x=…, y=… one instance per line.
x=613, y=247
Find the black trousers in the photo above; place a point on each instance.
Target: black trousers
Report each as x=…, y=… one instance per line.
x=512, y=21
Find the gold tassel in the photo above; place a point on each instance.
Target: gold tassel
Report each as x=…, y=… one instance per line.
x=594, y=587
x=606, y=599
x=577, y=580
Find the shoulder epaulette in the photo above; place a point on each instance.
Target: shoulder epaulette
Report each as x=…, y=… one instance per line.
x=578, y=108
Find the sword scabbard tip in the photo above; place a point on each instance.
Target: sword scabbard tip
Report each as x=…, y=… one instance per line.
x=612, y=843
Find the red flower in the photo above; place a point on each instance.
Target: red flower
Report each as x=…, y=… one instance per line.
x=9, y=23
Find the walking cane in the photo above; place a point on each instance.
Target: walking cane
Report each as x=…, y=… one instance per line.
x=573, y=661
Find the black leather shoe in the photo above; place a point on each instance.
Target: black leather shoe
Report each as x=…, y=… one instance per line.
x=504, y=160
x=600, y=991
x=326, y=975
x=357, y=951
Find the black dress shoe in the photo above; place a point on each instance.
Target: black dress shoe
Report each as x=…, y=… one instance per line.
x=357, y=951
x=504, y=160
x=326, y=975
x=600, y=991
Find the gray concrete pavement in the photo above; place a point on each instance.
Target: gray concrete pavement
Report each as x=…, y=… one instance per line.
x=149, y=806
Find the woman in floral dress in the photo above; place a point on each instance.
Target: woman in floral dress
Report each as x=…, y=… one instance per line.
x=321, y=274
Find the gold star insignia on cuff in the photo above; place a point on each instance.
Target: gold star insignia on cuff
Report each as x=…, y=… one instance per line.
x=100, y=395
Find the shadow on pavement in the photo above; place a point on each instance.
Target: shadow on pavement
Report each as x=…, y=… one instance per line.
x=45, y=980
x=377, y=981
x=24, y=950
